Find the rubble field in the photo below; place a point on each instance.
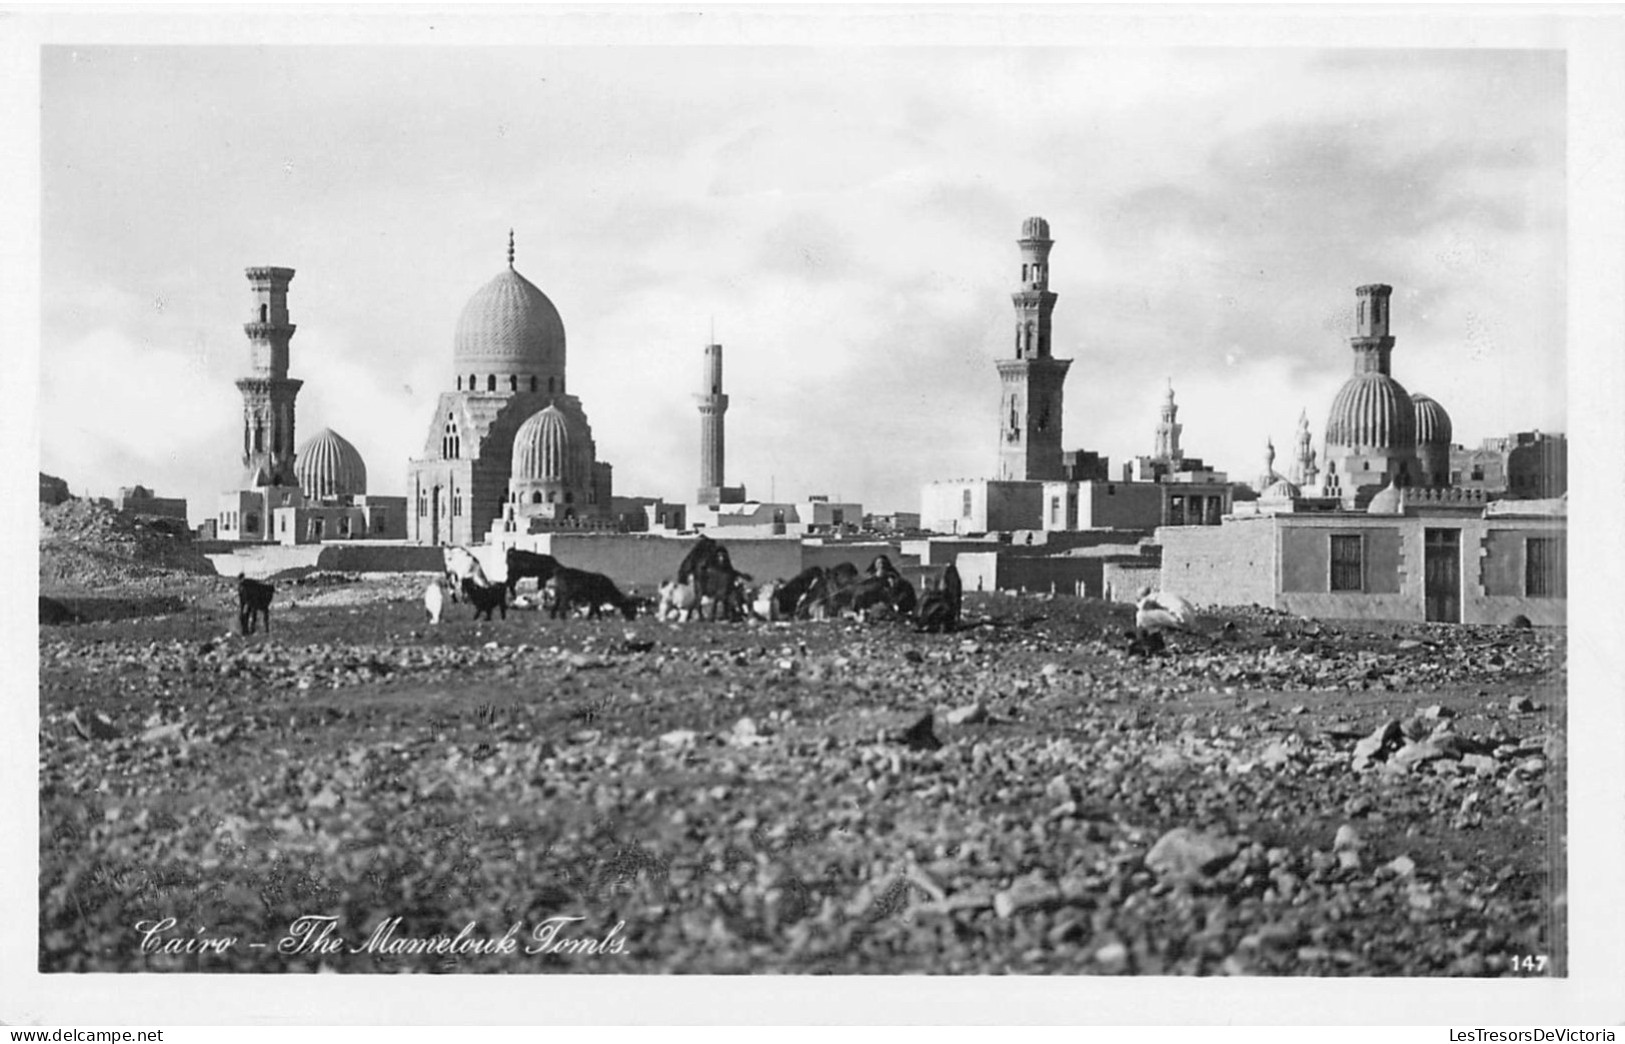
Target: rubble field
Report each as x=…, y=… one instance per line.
x=1275, y=796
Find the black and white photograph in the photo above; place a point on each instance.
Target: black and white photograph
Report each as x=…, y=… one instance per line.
x=880, y=504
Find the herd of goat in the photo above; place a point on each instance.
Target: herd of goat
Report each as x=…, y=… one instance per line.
x=708, y=586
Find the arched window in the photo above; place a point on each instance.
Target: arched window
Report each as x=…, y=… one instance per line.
x=459, y=382
x=265, y=313
x=471, y=382
x=491, y=382
x=533, y=383
x=451, y=445
x=536, y=497
x=513, y=382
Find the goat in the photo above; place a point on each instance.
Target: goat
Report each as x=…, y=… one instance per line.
x=434, y=599
x=485, y=597
x=939, y=609
x=528, y=563
x=573, y=588
x=462, y=565
x=678, y=601
x=253, y=600
x=764, y=601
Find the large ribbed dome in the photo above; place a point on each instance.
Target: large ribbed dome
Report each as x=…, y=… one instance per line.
x=328, y=466
x=1035, y=228
x=1432, y=423
x=541, y=448
x=1373, y=412
x=510, y=327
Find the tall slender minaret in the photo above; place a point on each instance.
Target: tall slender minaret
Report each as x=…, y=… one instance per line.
x=1372, y=346
x=268, y=393
x=1030, y=418
x=713, y=405
x=1168, y=430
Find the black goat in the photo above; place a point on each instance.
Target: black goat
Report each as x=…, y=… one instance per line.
x=253, y=600
x=485, y=598
x=574, y=587
x=528, y=563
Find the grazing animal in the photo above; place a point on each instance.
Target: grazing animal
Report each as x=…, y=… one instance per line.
x=528, y=563
x=881, y=566
x=764, y=601
x=705, y=552
x=939, y=609
x=710, y=570
x=253, y=601
x=462, y=565
x=1155, y=614
x=678, y=601
x=485, y=597
x=573, y=588
x=793, y=593
x=434, y=599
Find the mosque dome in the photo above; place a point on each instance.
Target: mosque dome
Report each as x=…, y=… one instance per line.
x=1281, y=489
x=1388, y=501
x=542, y=448
x=1372, y=411
x=1035, y=228
x=509, y=327
x=328, y=466
x=1432, y=422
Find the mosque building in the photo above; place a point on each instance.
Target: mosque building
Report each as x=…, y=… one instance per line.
x=508, y=450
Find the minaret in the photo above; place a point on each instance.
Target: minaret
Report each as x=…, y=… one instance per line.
x=1305, y=473
x=1269, y=476
x=713, y=405
x=268, y=393
x=1030, y=417
x=1371, y=343
x=1167, y=430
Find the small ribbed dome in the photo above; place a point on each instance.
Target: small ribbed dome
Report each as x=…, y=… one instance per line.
x=328, y=466
x=541, y=448
x=1281, y=489
x=1035, y=228
x=1432, y=423
x=1388, y=501
x=509, y=327
x=1372, y=411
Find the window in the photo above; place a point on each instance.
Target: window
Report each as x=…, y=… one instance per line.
x=253, y=521
x=344, y=526
x=513, y=382
x=282, y=524
x=451, y=446
x=456, y=502
x=533, y=384
x=265, y=313
x=471, y=382
x=1478, y=473
x=423, y=502
x=1348, y=563
x=1544, y=568
x=837, y=516
x=379, y=521
x=536, y=497
x=491, y=382
x=1055, y=511
x=965, y=507
x=1455, y=478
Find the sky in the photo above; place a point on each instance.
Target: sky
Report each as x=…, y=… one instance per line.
x=843, y=218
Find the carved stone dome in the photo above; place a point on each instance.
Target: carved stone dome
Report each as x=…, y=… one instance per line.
x=1372, y=411
x=542, y=449
x=327, y=465
x=1281, y=489
x=1035, y=228
x=509, y=327
x=1432, y=422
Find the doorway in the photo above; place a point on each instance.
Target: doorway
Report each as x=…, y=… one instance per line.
x=1441, y=575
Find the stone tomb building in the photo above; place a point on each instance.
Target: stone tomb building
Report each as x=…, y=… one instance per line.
x=508, y=450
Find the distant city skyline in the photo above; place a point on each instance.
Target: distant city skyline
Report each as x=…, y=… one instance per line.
x=848, y=221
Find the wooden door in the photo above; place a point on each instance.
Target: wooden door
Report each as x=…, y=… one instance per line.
x=1441, y=549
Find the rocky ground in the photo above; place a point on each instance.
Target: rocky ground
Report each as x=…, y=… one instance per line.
x=1277, y=796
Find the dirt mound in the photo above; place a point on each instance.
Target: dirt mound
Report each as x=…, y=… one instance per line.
x=83, y=543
